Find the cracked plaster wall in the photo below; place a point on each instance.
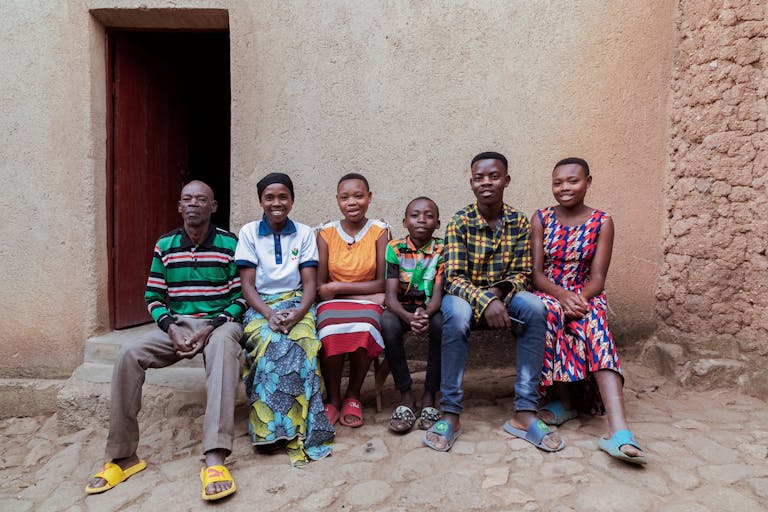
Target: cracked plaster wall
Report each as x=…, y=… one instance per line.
x=712, y=288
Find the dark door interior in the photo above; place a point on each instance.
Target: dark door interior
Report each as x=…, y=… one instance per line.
x=168, y=124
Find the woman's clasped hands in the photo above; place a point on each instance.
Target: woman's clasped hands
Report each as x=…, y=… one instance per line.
x=283, y=321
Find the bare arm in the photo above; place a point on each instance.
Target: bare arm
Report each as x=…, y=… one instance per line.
x=290, y=317
x=598, y=270
x=392, y=303
x=309, y=287
x=437, y=297
x=322, y=263
x=324, y=288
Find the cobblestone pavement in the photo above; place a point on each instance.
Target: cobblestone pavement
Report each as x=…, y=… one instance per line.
x=707, y=451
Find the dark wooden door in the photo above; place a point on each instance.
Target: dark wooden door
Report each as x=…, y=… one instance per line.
x=149, y=155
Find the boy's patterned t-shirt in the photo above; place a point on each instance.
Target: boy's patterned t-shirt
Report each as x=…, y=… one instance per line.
x=417, y=269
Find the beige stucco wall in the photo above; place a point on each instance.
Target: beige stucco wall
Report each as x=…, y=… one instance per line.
x=408, y=92
x=405, y=92
x=52, y=192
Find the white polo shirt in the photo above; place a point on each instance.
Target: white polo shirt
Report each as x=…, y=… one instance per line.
x=277, y=257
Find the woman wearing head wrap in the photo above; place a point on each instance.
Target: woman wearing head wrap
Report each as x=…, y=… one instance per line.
x=277, y=259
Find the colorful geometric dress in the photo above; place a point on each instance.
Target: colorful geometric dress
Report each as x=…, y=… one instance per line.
x=574, y=349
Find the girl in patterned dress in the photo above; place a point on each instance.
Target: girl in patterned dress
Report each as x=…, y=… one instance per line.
x=571, y=246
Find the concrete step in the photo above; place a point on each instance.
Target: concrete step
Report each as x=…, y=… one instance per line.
x=28, y=397
x=104, y=348
x=83, y=399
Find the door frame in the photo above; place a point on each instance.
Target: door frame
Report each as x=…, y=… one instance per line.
x=101, y=21
x=110, y=164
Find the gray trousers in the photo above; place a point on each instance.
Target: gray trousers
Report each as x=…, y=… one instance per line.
x=155, y=350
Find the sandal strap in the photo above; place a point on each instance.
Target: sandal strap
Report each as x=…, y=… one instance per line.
x=352, y=402
x=625, y=437
x=405, y=413
x=442, y=428
x=111, y=473
x=213, y=474
x=430, y=413
x=538, y=431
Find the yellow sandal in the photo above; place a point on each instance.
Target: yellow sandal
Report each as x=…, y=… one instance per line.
x=113, y=475
x=215, y=474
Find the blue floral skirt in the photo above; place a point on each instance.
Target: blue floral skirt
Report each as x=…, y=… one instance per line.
x=283, y=383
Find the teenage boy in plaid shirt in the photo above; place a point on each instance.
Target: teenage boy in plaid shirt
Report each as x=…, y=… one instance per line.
x=487, y=271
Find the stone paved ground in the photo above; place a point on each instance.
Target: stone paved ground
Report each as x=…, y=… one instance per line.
x=708, y=451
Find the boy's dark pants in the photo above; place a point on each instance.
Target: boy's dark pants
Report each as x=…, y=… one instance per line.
x=393, y=328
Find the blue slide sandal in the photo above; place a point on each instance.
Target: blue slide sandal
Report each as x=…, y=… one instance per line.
x=559, y=413
x=534, y=435
x=443, y=429
x=613, y=446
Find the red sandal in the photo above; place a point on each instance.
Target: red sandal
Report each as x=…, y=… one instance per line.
x=332, y=413
x=351, y=407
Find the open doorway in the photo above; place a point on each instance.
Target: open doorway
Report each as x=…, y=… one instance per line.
x=168, y=123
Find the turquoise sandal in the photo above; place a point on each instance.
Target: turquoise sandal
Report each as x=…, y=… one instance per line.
x=613, y=446
x=559, y=413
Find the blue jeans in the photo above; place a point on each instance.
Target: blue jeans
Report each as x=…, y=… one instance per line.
x=457, y=322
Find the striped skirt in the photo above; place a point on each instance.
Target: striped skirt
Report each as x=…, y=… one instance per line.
x=345, y=325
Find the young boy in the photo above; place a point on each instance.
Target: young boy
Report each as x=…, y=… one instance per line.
x=413, y=294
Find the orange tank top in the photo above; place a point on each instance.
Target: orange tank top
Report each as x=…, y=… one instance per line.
x=352, y=259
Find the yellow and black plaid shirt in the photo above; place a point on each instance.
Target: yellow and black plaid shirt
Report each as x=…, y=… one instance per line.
x=478, y=257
